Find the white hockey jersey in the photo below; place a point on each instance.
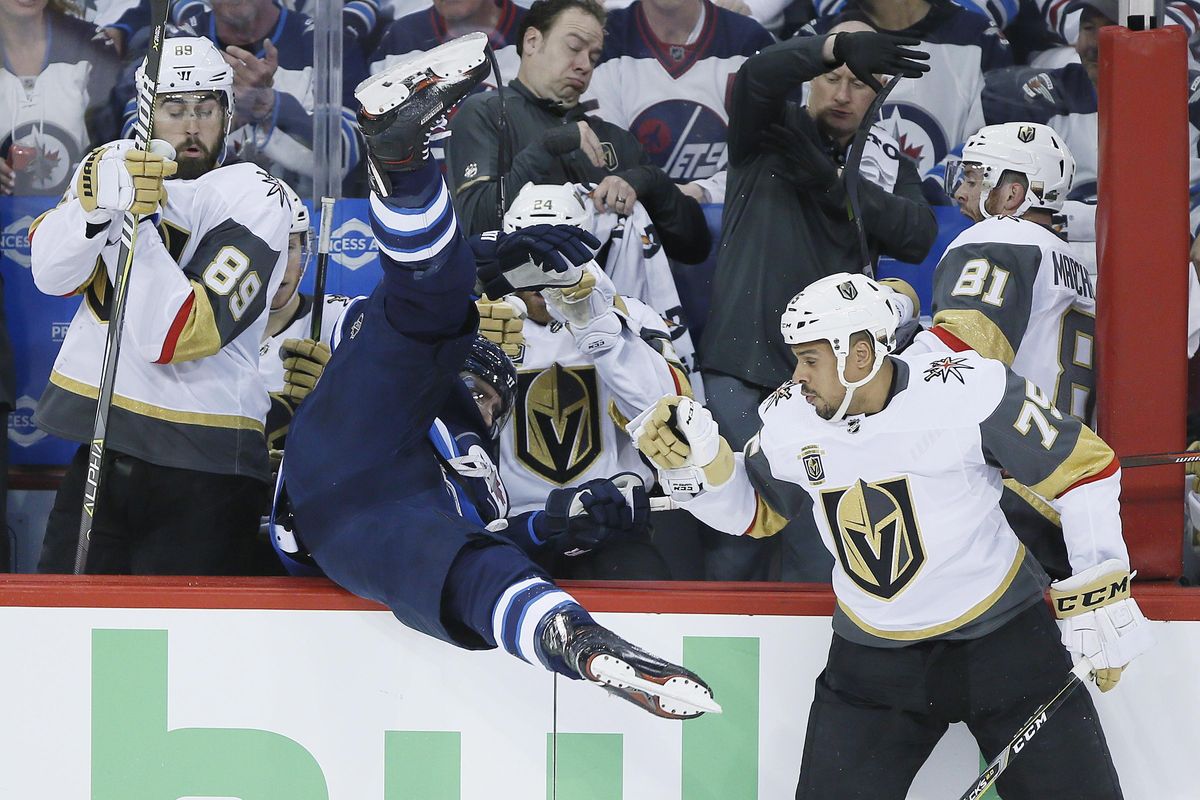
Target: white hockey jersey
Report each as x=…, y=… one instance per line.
x=1010, y=289
x=568, y=422
x=673, y=97
x=907, y=499
x=270, y=364
x=188, y=392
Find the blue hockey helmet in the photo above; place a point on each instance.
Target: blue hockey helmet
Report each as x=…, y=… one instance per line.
x=488, y=363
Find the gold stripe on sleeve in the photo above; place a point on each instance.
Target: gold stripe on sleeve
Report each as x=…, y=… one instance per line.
x=976, y=330
x=1091, y=456
x=200, y=337
x=1039, y=504
x=158, y=412
x=470, y=183
x=767, y=521
x=974, y=612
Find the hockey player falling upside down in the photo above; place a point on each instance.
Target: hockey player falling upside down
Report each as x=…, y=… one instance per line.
x=381, y=518
x=940, y=615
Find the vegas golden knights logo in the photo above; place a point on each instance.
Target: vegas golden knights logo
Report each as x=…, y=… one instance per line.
x=814, y=470
x=558, y=422
x=875, y=530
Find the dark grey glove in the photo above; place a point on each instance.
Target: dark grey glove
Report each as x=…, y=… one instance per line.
x=804, y=162
x=867, y=53
x=561, y=140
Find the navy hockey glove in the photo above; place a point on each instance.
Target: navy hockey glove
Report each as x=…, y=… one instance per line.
x=607, y=512
x=535, y=257
x=871, y=53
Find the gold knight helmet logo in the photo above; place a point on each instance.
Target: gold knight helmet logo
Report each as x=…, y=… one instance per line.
x=875, y=530
x=558, y=422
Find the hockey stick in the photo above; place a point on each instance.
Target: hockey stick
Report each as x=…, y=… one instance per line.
x=322, y=267
x=503, y=145
x=851, y=176
x=1160, y=459
x=1079, y=674
x=116, y=317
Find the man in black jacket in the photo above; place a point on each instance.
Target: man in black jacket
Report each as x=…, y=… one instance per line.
x=786, y=225
x=550, y=138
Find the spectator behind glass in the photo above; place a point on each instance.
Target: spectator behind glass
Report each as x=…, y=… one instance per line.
x=55, y=81
x=665, y=75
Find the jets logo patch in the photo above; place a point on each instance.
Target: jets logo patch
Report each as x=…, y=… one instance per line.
x=947, y=368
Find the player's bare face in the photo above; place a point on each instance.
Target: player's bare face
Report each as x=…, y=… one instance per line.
x=489, y=401
x=557, y=65
x=237, y=13
x=837, y=102
x=291, y=273
x=194, y=124
x=966, y=193
x=817, y=378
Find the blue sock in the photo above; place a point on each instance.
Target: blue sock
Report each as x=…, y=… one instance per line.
x=521, y=614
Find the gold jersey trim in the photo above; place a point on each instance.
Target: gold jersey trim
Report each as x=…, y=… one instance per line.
x=1091, y=456
x=974, y=328
x=972, y=613
x=157, y=412
x=200, y=336
x=1037, y=502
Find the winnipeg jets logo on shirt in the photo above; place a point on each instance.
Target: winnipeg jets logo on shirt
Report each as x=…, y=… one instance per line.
x=947, y=368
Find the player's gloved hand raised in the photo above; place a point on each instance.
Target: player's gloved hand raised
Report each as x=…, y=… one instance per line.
x=304, y=362
x=587, y=310
x=868, y=53
x=681, y=438
x=532, y=258
x=116, y=177
x=502, y=323
x=583, y=518
x=1100, y=621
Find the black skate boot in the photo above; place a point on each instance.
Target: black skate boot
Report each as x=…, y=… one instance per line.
x=597, y=654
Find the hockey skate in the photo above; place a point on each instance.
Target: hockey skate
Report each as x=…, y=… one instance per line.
x=403, y=104
x=600, y=656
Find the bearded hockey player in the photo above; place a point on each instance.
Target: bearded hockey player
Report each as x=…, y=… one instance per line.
x=374, y=503
x=940, y=614
x=186, y=456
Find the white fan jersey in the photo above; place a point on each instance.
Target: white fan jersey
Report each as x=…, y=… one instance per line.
x=188, y=390
x=907, y=499
x=568, y=422
x=673, y=97
x=1012, y=290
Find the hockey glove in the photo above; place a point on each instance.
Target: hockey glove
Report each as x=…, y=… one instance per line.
x=681, y=438
x=502, y=323
x=115, y=178
x=584, y=518
x=870, y=53
x=587, y=310
x=1100, y=621
x=532, y=258
x=805, y=164
x=304, y=361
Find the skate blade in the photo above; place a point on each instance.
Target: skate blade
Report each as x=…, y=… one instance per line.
x=675, y=697
x=381, y=93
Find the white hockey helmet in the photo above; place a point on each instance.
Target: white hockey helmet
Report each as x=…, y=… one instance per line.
x=835, y=308
x=1030, y=148
x=547, y=204
x=301, y=223
x=192, y=64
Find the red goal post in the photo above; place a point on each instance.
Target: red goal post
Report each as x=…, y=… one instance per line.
x=1142, y=252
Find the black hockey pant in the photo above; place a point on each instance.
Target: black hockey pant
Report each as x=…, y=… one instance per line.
x=878, y=712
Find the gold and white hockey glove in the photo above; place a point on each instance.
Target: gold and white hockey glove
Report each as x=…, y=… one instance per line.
x=115, y=178
x=304, y=362
x=587, y=310
x=502, y=323
x=681, y=438
x=1100, y=621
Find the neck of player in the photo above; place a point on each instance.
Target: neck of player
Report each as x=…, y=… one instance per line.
x=277, y=320
x=873, y=396
x=676, y=26
x=896, y=15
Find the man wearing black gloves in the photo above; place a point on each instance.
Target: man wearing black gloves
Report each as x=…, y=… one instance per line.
x=786, y=225
x=548, y=137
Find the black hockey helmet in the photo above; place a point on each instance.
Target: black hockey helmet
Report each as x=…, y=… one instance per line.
x=486, y=361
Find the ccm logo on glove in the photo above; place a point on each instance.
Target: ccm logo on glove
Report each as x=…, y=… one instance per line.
x=1109, y=589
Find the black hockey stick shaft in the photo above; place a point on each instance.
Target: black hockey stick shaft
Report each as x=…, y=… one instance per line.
x=851, y=175
x=322, y=267
x=142, y=132
x=1160, y=459
x=1026, y=734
